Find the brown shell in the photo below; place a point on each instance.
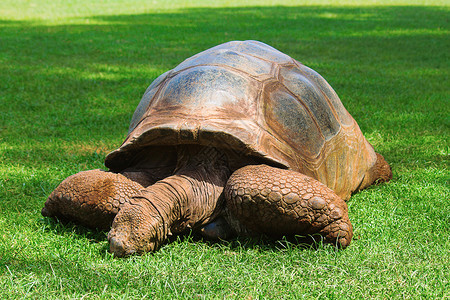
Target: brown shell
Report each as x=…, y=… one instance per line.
x=250, y=98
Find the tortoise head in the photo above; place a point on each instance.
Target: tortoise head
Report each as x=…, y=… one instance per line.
x=137, y=228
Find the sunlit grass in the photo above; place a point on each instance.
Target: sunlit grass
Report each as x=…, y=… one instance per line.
x=72, y=72
x=62, y=11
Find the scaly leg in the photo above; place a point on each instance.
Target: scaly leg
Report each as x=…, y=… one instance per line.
x=91, y=198
x=278, y=203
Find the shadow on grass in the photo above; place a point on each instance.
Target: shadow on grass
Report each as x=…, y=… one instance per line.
x=90, y=76
x=63, y=227
x=80, y=82
x=311, y=242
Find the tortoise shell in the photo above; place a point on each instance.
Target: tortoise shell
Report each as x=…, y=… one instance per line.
x=250, y=98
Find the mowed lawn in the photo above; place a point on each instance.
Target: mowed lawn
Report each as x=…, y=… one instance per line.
x=72, y=73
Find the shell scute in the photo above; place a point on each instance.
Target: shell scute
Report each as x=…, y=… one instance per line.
x=205, y=87
x=257, y=49
x=279, y=105
x=311, y=99
x=330, y=94
x=227, y=58
x=145, y=101
x=256, y=101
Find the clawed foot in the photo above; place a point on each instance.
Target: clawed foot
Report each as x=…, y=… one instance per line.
x=137, y=228
x=278, y=203
x=259, y=199
x=90, y=198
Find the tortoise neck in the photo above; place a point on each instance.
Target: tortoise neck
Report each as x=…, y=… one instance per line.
x=193, y=195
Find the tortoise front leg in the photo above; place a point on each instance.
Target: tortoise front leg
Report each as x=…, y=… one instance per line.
x=91, y=198
x=190, y=198
x=277, y=203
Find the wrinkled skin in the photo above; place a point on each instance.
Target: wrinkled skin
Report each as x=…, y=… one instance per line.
x=188, y=199
x=255, y=199
x=238, y=139
x=292, y=201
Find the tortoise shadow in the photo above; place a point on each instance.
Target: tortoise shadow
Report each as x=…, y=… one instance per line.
x=83, y=69
x=64, y=227
x=263, y=243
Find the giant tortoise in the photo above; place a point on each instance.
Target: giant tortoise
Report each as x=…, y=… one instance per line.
x=239, y=139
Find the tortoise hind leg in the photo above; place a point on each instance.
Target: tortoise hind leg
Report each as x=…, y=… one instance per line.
x=382, y=171
x=278, y=203
x=90, y=198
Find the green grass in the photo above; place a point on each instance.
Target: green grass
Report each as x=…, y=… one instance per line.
x=72, y=72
